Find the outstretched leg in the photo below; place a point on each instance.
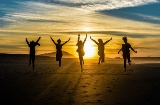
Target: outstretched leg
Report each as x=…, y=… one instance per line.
x=81, y=62
x=33, y=64
x=128, y=57
x=124, y=63
x=81, y=65
x=60, y=63
x=99, y=60
x=29, y=60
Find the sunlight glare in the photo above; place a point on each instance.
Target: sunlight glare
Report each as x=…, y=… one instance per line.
x=87, y=29
x=89, y=49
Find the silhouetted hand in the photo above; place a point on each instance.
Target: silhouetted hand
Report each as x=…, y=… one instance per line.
x=90, y=37
x=78, y=35
x=69, y=38
x=135, y=51
x=118, y=52
x=111, y=38
x=86, y=35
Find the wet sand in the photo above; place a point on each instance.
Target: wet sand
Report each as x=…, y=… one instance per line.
x=105, y=84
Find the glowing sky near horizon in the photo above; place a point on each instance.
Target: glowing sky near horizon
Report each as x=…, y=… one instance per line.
x=139, y=20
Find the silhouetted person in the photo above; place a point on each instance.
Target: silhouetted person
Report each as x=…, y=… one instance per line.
x=80, y=50
x=126, y=52
x=59, y=53
x=32, y=46
x=101, y=49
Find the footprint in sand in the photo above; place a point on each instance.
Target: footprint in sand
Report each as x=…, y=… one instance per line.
x=83, y=86
x=85, y=92
x=68, y=93
x=110, y=90
x=98, y=94
x=99, y=100
x=87, y=83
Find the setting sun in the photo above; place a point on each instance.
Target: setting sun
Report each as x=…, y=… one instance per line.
x=89, y=49
x=87, y=29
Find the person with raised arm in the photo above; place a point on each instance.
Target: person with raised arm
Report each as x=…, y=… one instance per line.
x=101, y=49
x=126, y=52
x=32, y=52
x=59, y=53
x=80, y=50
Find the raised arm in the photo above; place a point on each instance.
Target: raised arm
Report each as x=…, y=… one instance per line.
x=85, y=39
x=27, y=41
x=93, y=40
x=108, y=41
x=78, y=39
x=133, y=50
x=66, y=41
x=119, y=51
x=53, y=41
x=38, y=39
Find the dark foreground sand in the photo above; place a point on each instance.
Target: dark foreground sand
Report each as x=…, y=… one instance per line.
x=105, y=84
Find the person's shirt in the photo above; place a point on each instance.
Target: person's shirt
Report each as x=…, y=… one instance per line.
x=59, y=47
x=125, y=47
x=101, y=47
x=32, y=47
x=80, y=46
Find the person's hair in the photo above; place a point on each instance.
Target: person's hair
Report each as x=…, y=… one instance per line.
x=32, y=41
x=58, y=40
x=124, y=38
x=100, y=40
x=80, y=41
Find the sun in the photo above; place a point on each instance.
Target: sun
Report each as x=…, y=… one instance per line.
x=89, y=49
x=87, y=29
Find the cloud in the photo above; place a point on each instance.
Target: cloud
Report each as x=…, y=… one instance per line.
x=148, y=17
x=145, y=13
x=117, y=4
x=98, y=5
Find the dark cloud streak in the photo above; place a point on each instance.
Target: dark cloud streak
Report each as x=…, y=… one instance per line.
x=132, y=13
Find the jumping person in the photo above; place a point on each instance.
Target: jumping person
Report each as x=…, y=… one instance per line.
x=126, y=52
x=101, y=49
x=32, y=46
x=59, y=53
x=80, y=49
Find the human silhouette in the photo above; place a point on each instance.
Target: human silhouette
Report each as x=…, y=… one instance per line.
x=59, y=53
x=80, y=50
x=32, y=46
x=126, y=52
x=101, y=49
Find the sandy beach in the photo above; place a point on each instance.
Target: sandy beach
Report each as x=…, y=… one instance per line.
x=105, y=84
